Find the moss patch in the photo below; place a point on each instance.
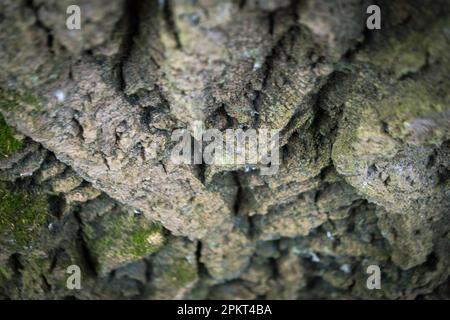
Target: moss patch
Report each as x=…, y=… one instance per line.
x=119, y=238
x=11, y=100
x=22, y=215
x=413, y=100
x=181, y=273
x=8, y=144
x=406, y=50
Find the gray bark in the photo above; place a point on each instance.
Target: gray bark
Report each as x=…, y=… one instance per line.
x=364, y=178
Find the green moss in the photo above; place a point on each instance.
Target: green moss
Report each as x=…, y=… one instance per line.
x=5, y=275
x=140, y=243
x=129, y=235
x=119, y=238
x=406, y=50
x=8, y=144
x=22, y=215
x=11, y=100
x=380, y=114
x=413, y=100
x=360, y=138
x=35, y=265
x=181, y=273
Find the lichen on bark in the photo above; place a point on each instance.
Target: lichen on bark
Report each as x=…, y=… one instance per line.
x=85, y=142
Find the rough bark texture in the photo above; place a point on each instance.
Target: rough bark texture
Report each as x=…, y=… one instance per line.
x=86, y=123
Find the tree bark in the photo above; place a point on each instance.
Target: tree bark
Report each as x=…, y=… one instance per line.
x=86, y=170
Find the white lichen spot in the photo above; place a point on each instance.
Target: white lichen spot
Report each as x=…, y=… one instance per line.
x=249, y=168
x=314, y=257
x=330, y=235
x=26, y=174
x=59, y=95
x=189, y=259
x=257, y=65
x=346, y=268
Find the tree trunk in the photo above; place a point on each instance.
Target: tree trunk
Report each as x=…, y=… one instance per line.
x=88, y=120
